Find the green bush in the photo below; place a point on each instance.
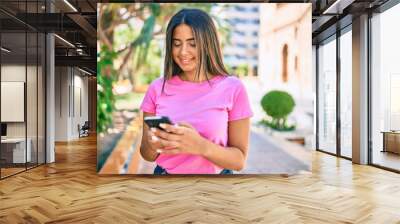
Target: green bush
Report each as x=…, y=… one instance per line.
x=106, y=77
x=242, y=70
x=278, y=105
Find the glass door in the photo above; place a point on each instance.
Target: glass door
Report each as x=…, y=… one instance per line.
x=385, y=89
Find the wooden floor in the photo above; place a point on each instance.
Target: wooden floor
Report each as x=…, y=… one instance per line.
x=70, y=191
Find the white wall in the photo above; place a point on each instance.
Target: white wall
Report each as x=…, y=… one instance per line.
x=61, y=103
x=288, y=25
x=12, y=73
x=33, y=127
x=71, y=94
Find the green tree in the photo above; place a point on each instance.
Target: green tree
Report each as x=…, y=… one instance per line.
x=106, y=76
x=278, y=105
x=242, y=70
x=110, y=17
x=134, y=48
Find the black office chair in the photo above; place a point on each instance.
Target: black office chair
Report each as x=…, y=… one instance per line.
x=84, y=130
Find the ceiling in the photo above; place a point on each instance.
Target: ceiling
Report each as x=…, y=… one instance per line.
x=328, y=16
x=76, y=22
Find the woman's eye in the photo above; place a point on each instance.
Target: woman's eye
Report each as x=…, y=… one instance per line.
x=177, y=44
x=192, y=45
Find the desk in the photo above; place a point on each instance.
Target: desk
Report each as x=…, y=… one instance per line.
x=391, y=141
x=17, y=150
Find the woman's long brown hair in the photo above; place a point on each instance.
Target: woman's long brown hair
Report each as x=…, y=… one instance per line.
x=209, y=60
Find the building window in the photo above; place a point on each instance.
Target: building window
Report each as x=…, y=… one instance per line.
x=285, y=63
x=255, y=70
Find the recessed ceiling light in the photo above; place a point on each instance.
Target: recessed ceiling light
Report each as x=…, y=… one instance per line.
x=86, y=72
x=337, y=7
x=64, y=40
x=5, y=49
x=70, y=5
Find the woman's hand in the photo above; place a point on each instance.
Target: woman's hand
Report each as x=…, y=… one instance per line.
x=153, y=142
x=185, y=139
x=179, y=139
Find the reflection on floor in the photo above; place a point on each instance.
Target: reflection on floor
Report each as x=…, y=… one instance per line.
x=387, y=159
x=13, y=168
x=10, y=171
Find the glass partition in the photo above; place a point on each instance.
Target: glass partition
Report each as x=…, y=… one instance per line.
x=327, y=96
x=14, y=151
x=31, y=99
x=346, y=93
x=41, y=86
x=22, y=88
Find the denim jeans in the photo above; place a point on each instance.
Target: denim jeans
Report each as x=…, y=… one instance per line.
x=161, y=171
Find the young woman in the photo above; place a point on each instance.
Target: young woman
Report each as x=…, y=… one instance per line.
x=209, y=108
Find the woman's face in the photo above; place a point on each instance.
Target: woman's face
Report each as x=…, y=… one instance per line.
x=184, y=50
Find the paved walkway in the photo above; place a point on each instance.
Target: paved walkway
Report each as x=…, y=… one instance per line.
x=267, y=155
x=272, y=155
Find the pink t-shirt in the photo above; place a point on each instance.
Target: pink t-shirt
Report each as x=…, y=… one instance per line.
x=208, y=108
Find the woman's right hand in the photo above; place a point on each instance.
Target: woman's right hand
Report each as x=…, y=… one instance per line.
x=149, y=146
x=150, y=143
x=154, y=143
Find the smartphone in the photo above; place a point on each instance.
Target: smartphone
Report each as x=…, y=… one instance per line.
x=155, y=121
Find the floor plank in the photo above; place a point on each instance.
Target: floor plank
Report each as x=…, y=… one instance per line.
x=70, y=191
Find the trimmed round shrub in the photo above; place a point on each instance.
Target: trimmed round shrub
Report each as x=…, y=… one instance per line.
x=278, y=105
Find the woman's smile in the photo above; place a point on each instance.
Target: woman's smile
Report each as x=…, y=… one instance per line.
x=186, y=61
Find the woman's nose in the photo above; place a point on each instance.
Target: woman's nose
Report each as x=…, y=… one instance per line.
x=184, y=50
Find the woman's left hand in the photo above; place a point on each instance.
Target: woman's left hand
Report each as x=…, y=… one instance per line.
x=180, y=139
